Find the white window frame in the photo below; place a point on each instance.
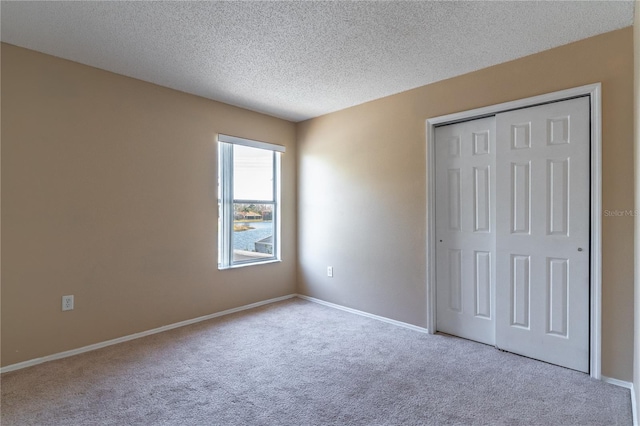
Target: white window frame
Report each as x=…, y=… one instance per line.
x=226, y=200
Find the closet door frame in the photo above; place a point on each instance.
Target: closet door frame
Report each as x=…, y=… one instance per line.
x=593, y=91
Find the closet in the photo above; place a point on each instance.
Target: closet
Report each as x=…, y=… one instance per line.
x=512, y=223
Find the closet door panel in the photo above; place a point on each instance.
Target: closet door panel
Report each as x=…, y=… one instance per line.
x=542, y=234
x=465, y=228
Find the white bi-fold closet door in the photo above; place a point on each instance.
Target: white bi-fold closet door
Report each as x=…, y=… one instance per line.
x=512, y=231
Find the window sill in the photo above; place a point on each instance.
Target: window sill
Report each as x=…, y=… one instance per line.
x=243, y=265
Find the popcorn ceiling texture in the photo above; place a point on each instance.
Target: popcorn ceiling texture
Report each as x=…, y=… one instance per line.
x=298, y=60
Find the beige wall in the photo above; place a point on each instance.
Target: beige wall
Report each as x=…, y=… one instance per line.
x=109, y=194
x=362, y=192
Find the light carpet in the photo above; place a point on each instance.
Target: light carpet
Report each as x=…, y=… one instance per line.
x=300, y=363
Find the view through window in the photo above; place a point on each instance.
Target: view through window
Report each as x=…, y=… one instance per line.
x=248, y=188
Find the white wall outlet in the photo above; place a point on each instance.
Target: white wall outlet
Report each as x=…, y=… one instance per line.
x=330, y=271
x=67, y=303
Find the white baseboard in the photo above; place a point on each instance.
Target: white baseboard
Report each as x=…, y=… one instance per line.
x=628, y=385
x=95, y=346
x=365, y=314
x=617, y=382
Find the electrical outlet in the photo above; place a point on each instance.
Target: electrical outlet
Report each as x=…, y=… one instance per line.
x=67, y=303
x=330, y=271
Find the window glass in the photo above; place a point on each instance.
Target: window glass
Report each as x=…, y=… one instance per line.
x=252, y=173
x=252, y=231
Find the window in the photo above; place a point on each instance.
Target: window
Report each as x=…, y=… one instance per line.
x=248, y=202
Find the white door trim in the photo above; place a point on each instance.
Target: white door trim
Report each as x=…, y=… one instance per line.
x=594, y=93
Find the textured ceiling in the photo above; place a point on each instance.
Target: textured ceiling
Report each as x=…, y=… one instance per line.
x=301, y=59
